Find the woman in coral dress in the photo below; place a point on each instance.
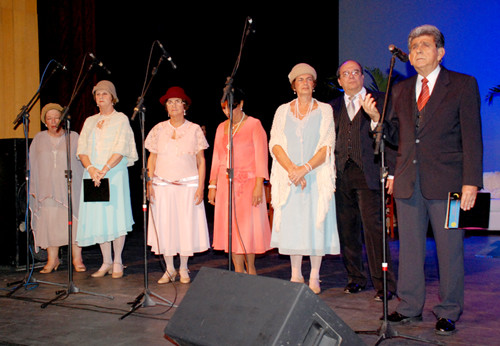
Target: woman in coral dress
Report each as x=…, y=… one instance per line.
x=251, y=233
x=176, y=169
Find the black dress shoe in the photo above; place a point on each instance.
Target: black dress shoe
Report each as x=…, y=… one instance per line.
x=379, y=297
x=353, y=288
x=445, y=327
x=397, y=318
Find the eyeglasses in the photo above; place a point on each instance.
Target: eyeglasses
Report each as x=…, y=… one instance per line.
x=172, y=102
x=354, y=73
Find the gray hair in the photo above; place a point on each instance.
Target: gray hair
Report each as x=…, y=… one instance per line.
x=426, y=30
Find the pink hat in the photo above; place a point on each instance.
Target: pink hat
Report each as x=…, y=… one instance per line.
x=175, y=92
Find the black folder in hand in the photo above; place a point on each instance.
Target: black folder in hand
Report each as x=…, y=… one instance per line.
x=92, y=193
x=478, y=217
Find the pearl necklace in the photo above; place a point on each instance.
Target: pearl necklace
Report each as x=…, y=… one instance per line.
x=238, y=124
x=297, y=111
x=234, y=130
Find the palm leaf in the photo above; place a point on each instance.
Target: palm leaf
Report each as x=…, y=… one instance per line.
x=494, y=91
x=379, y=79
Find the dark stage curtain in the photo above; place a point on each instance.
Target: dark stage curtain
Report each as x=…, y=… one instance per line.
x=66, y=34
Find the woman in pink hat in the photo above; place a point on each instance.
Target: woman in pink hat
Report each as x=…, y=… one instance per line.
x=176, y=175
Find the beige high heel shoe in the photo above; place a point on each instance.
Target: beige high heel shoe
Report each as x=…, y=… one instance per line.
x=48, y=269
x=314, y=285
x=106, y=268
x=79, y=267
x=117, y=273
x=167, y=277
x=184, y=274
x=299, y=280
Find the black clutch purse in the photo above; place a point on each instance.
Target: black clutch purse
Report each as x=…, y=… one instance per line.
x=92, y=193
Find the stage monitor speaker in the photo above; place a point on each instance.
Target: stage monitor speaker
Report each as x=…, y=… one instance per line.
x=13, y=206
x=226, y=308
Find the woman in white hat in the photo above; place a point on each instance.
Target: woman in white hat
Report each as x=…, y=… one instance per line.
x=48, y=189
x=302, y=144
x=106, y=148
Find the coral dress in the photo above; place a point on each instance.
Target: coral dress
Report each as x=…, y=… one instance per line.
x=176, y=224
x=251, y=232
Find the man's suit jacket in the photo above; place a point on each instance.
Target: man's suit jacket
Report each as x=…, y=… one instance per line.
x=447, y=145
x=371, y=163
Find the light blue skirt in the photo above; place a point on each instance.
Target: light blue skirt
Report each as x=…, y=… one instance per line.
x=100, y=222
x=298, y=233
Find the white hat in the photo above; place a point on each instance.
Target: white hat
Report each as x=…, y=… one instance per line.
x=301, y=69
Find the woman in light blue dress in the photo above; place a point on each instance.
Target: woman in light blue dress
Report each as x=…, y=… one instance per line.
x=106, y=147
x=302, y=179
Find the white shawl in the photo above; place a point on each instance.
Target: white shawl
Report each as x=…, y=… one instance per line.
x=116, y=136
x=280, y=187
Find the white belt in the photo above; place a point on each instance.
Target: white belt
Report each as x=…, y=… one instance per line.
x=189, y=181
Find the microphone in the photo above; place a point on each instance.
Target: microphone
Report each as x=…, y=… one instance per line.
x=61, y=66
x=99, y=62
x=250, y=29
x=166, y=55
x=138, y=108
x=398, y=52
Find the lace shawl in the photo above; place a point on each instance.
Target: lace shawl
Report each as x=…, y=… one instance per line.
x=114, y=137
x=280, y=187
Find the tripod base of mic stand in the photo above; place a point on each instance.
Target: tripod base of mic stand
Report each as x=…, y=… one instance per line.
x=144, y=300
x=72, y=289
x=26, y=282
x=386, y=331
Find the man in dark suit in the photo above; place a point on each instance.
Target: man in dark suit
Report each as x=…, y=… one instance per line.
x=435, y=119
x=358, y=191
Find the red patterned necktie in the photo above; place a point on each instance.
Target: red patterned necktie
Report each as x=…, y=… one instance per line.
x=424, y=95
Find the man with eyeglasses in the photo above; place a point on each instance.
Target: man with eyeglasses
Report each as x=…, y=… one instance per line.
x=435, y=120
x=358, y=191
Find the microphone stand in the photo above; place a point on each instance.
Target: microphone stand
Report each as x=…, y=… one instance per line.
x=144, y=298
x=386, y=331
x=23, y=117
x=65, y=118
x=228, y=95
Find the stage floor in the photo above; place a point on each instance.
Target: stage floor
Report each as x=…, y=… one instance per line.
x=91, y=317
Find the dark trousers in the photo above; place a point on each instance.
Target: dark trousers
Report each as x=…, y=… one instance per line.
x=414, y=215
x=359, y=212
